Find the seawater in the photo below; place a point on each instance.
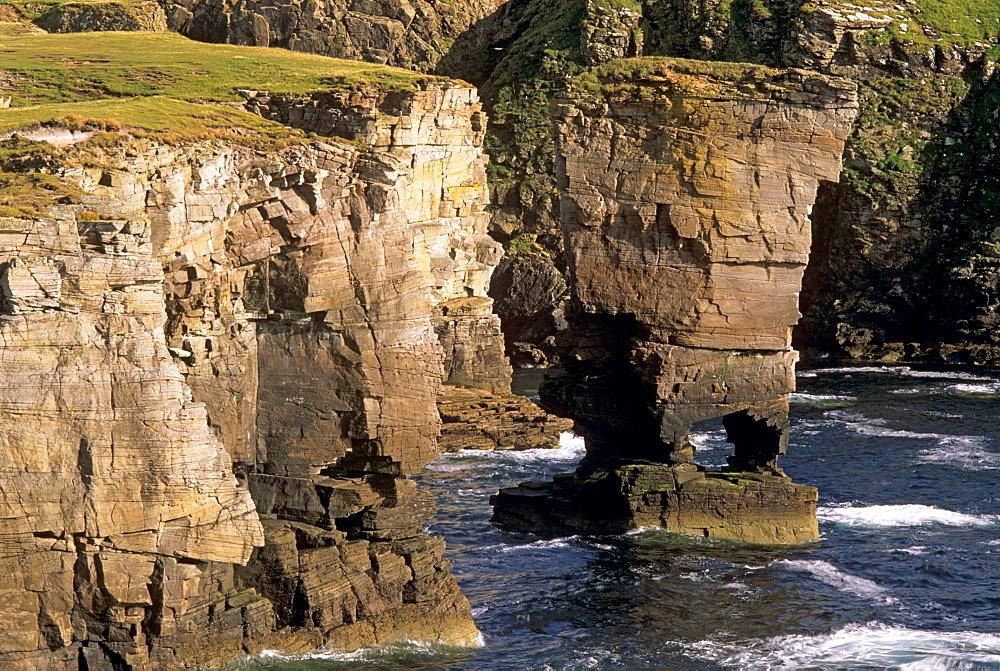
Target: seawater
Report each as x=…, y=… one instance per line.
x=906, y=574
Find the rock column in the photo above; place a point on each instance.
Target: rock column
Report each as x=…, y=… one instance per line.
x=686, y=193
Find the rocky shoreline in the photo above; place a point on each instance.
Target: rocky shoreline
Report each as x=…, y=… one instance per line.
x=219, y=369
x=246, y=292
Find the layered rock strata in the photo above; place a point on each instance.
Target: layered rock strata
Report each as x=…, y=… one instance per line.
x=904, y=232
x=475, y=419
x=686, y=192
x=216, y=374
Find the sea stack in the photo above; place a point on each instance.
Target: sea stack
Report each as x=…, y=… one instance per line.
x=686, y=190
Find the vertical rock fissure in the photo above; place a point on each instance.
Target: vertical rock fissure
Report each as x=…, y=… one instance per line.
x=217, y=376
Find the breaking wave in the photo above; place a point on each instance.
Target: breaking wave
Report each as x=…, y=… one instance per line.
x=968, y=452
x=858, y=646
x=830, y=575
x=902, y=371
x=904, y=515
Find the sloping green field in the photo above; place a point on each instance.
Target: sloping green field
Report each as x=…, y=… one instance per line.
x=164, y=83
x=157, y=85
x=85, y=66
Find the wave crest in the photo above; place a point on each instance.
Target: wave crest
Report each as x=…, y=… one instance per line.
x=857, y=646
x=831, y=575
x=904, y=515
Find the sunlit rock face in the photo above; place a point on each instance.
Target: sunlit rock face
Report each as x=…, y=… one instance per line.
x=216, y=375
x=686, y=196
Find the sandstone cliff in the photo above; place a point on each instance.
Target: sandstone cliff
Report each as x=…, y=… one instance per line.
x=218, y=368
x=686, y=192
x=885, y=236
x=898, y=224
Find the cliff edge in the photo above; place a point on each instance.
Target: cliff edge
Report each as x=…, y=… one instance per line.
x=221, y=343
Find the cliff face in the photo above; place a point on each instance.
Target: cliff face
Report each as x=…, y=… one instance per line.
x=686, y=193
x=899, y=225
x=405, y=34
x=217, y=372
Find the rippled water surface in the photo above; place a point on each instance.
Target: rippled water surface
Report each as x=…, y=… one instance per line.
x=906, y=575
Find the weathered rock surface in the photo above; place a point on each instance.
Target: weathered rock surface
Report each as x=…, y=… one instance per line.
x=530, y=294
x=685, y=202
x=609, y=31
x=73, y=17
x=216, y=375
x=394, y=32
x=681, y=499
x=895, y=240
x=475, y=419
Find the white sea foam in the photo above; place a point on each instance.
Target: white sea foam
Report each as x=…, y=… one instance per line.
x=404, y=648
x=571, y=448
x=857, y=646
x=867, y=426
x=442, y=465
x=990, y=388
x=592, y=659
x=643, y=530
x=831, y=575
x=545, y=544
x=599, y=546
x=904, y=371
x=709, y=440
x=964, y=451
x=905, y=515
x=968, y=452
x=819, y=399
x=896, y=370
x=696, y=576
x=915, y=550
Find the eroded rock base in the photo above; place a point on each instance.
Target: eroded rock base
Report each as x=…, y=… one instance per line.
x=475, y=419
x=744, y=507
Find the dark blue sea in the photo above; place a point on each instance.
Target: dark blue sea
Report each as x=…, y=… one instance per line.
x=905, y=576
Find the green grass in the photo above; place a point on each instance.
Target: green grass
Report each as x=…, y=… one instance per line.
x=26, y=188
x=157, y=86
x=160, y=118
x=525, y=244
x=951, y=17
x=948, y=22
x=85, y=66
x=886, y=157
x=33, y=9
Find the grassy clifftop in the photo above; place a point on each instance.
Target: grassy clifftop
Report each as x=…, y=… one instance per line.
x=43, y=69
x=159, y=86
x=165, y=84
